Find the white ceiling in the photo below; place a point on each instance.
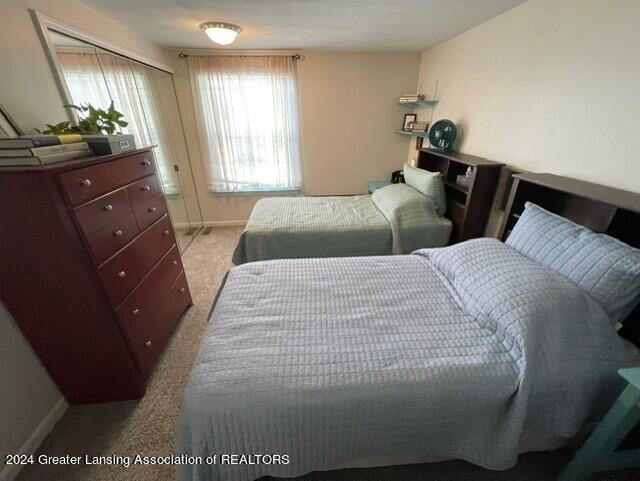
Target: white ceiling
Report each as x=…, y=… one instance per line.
x=306, y=24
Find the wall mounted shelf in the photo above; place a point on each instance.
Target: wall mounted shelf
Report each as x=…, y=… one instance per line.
x=412, y=134
x=419, y=103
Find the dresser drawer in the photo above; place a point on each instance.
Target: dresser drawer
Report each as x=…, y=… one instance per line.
x=144, y=299
x=123, y=272
x=143, y=191
x=149, y=213
x=103, y=211
x=85, y=184
x=110, y=239
x=151, y=334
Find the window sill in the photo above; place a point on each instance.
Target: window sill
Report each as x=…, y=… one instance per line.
x=253, y=193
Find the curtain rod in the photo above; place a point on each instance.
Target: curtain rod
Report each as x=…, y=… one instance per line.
x=183, y=55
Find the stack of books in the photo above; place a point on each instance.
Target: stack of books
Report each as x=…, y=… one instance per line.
x=420, y=126
x=410, y=98
x=42, y=149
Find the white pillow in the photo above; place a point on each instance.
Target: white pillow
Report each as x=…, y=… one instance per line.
x=605, y=267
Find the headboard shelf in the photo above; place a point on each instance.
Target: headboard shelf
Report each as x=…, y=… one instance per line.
x=467, y=159
x=468, y=207
x=602, y=209
x=607, y=195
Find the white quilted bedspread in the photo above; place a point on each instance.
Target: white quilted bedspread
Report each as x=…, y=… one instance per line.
x=365, y=361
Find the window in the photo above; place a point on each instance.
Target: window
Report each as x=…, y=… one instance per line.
x=248, y=122
x=97, y=77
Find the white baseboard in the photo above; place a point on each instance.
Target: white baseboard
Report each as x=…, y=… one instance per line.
x=224, y=223
x=30, y=446
x=210, y=223
x=186, y=225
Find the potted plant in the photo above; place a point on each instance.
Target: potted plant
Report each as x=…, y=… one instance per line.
x=92, y=121
x=100, y=128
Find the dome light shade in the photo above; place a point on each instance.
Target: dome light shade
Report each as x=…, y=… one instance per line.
x=220, y=32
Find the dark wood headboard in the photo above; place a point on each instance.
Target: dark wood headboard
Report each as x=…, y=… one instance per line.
x=603, y=209
x=468, y=207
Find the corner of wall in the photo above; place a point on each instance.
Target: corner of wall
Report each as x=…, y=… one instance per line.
x=30, y=446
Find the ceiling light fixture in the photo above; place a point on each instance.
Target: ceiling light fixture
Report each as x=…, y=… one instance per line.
x=220, y=32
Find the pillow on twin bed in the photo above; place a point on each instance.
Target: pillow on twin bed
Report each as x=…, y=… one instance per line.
x=427, y=183
x=606, y=268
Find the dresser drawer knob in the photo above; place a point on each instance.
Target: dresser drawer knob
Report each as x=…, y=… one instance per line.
x=146, y=163
x=85, y=182
x=118, y=233
x=146, y=188
x=135, y=312
x=108, y=207
x=147, y=344
x=175, y=263
x=152, y=209
x=182, y=289
x=166, y=232
x=122, y=274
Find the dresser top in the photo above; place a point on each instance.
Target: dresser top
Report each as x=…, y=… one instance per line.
x=72, y=164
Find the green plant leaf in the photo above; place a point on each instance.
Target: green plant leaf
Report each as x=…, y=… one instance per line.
x=92, y=120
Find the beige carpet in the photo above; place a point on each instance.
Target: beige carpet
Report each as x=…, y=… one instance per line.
x=147, y=426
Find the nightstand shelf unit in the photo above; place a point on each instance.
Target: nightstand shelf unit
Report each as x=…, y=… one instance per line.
x=599, y=452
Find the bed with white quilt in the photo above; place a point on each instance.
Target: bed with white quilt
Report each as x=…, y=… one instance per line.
x=453, y=352
x=396, y=219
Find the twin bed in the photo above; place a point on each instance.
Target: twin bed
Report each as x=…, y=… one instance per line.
x=396, y=219
x=461, y=352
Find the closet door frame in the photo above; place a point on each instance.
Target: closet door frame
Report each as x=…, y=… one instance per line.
x=45, y=24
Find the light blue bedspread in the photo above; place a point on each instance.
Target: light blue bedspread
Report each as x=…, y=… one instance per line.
x=366, y=361
x=395, y=220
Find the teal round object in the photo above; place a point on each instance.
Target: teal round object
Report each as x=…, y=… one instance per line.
x=442, y=134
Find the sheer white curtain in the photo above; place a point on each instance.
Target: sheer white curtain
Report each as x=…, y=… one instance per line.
x=248, y=121
x=97, y=78
x=121, y=84
x=83, y=76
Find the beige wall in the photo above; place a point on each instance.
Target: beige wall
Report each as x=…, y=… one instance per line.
x=548, y=86
x=349, y=110
x=29, y=92
x=30, y=400
x=348, y=113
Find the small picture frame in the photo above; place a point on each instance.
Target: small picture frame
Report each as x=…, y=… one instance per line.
x=8, y=127
x=408, y=121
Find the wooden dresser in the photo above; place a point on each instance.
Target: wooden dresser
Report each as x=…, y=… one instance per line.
x=468, y=207
x=91, y=271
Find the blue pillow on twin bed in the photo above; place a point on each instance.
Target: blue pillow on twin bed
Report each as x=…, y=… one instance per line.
x=605, y=267
x=427, y=183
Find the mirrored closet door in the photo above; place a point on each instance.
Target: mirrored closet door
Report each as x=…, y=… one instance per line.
x=146, y=97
